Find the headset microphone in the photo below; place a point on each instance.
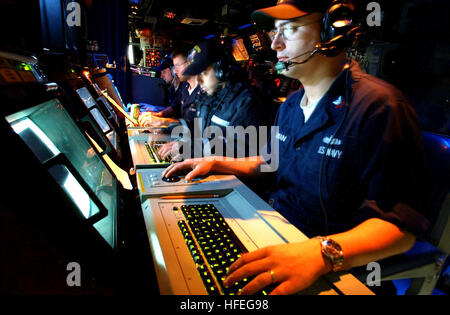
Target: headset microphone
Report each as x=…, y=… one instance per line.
x=285, y=65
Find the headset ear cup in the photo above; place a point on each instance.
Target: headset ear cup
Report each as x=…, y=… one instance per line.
x=218, y=71
x=338, y=9
x=221, y=72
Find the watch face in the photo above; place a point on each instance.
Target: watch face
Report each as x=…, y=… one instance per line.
x=333, y=245
x=334, y=252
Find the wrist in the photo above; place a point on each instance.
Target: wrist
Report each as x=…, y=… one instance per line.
x=332, y=254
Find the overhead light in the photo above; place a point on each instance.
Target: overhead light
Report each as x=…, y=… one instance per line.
x=244, y=26
x=192, y=21
x=169, y=14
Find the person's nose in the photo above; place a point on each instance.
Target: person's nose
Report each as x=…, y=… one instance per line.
x=277, y=42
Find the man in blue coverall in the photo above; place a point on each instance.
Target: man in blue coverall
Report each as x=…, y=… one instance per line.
x=228, y=101
x=350, y=161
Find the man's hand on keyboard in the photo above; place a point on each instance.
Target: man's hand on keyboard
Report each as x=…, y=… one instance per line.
x=150, y=120
x=169, y=148
x=198, y=167
x=293, y=267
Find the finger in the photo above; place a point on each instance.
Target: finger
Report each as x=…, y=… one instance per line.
x=248, y=270
x=247, y=258
x=144, y=122
x=142, y=117
x=196, y=171
x=173, y=148
x=192, y=174
x=177, y=158
x=163, y=151
x=261, y=281
x=176, y=168
x=163, y=174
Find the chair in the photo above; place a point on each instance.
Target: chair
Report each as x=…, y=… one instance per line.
x=424, y=262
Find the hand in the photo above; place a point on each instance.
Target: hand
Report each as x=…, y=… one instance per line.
x=198, y=167
x=150, y=120
x=169, y=148
x=158, y=114
x=145, y=119
x=295, y=267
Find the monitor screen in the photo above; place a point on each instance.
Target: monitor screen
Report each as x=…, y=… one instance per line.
x=239, y=51
x=48, y=130
x=256, y=43
x=90, y=103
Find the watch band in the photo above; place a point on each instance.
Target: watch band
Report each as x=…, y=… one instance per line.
x=332, y=250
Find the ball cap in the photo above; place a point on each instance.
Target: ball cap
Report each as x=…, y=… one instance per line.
x=287, y=10
x=201, y=57
x=165, y=63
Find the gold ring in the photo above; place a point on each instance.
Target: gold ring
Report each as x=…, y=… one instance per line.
x=272, y=275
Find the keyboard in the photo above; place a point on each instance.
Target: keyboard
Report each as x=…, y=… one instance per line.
x=213, y=246
x=194, y=240
x=152, y=149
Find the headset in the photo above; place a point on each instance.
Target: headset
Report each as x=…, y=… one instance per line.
x=225, y=66
x=338, y=32
x=172, y=70
x=338, y=27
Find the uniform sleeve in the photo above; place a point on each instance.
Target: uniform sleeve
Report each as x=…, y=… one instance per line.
x=392, y=167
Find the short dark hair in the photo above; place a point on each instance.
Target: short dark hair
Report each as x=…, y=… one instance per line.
x=181, y=51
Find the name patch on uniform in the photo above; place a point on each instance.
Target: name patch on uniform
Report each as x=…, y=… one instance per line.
x=281, y=137
x=334, y=153
x=220, y=121
x=334, y=141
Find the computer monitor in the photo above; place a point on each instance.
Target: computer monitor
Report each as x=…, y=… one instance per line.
x=50, y=133
x=239, y=51
x=256, y=42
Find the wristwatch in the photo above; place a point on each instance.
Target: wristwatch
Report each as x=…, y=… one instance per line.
x=332, y=251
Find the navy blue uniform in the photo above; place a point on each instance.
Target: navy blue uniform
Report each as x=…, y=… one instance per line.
x=188, y=104
x=372, y=168
x=184, y=104
x=235, y=105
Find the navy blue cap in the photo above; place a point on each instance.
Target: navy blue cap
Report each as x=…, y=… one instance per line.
x=202, y=56
x=165, y=63
x=287, y=10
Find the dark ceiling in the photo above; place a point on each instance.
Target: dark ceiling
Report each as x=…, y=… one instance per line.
x=215, y=16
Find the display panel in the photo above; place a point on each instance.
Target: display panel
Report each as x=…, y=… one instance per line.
x=239, y=51
x=90, y=103
x=256, y=43
x=48, y=130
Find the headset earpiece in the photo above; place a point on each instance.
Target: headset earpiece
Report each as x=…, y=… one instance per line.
x=223, y=69
x=336, y=25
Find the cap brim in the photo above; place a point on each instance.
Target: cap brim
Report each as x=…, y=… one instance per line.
x=161, y=68
x=266, y=17
x=194, y=69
